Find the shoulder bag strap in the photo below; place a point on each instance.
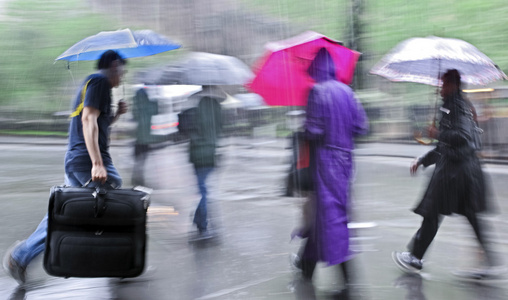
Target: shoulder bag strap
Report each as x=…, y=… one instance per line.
x=81, y=104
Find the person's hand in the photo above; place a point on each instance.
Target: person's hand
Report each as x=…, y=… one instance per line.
x=433, y=132
x=414, y=166
x=122, y=107
x=99, y=174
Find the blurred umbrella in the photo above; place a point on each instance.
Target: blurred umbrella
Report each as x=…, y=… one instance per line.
x=250, y=100
x=201, y=68
x=281, y=74
x=231, y=102
x=422, y=60
x=126, y=42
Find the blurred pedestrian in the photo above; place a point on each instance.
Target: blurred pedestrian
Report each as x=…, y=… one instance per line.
x=143, y=111
x=457, y=185
x=87, y=157
x=207, y=125
x=334, y=118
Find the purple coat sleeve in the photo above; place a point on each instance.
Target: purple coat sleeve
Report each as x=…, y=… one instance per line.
x=315, y=121
x=360, y=124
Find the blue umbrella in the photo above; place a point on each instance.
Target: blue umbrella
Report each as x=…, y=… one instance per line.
x=126, y=42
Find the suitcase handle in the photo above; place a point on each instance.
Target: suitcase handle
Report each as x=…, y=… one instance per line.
x=100, y=201
x=107, y=184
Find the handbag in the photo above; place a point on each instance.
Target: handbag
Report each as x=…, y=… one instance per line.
x=300, y=171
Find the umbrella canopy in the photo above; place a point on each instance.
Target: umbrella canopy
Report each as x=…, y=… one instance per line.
x=250, y=100
x=281, y=74
x=422, y=60
x=201, y=68
x=126, y=42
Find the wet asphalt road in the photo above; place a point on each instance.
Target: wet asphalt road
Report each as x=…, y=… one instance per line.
x=249, y=260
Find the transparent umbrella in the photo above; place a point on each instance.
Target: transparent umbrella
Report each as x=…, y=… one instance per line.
x=201, y=68
x=422, y=60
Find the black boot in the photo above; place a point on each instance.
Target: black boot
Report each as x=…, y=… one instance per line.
x=307, y=267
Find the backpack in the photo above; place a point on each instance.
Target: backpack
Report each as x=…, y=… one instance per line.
x=187, y=121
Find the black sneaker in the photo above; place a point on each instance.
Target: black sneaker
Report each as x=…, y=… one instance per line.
x=306, y=267
x=407, y=262
x=12, y=267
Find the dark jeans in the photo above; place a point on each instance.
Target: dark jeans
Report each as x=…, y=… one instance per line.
x=140, y=156
x=200, y=216
x=428, y=230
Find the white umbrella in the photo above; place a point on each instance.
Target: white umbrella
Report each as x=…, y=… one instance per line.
x=422, y=60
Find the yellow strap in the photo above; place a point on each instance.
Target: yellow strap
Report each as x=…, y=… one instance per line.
x=80, y=106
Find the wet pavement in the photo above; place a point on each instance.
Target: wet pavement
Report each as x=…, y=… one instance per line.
x=250, y=257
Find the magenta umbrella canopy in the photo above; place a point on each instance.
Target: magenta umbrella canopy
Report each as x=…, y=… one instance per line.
x=281, y=76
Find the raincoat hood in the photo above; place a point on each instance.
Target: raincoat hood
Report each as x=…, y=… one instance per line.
x=322, y=67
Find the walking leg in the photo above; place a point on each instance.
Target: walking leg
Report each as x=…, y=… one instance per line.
x=424, y=236
x=479, y=230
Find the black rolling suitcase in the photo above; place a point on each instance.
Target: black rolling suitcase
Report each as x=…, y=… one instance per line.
x=96, y=232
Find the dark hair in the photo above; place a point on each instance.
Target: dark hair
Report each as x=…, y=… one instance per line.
x=107, y=58
x=452, y=76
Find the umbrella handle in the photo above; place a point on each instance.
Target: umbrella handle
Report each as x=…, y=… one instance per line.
x=418, y=135
x=421, y=139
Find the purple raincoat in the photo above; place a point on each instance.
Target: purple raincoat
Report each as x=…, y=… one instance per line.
x=334, y=117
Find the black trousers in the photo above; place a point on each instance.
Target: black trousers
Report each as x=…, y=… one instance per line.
x=428, y=230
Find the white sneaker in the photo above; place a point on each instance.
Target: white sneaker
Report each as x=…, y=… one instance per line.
x=407, y=262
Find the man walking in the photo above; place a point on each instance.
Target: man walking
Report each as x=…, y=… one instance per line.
x=87, y=157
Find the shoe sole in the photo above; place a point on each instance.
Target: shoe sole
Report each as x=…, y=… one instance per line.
x=469, y=277
x=404, y=268
x=7, y=256
x=5, y=261
x=192, y=239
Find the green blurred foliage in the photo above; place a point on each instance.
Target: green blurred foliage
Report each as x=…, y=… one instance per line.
x=328, y=17
x=34, y=34
x=481, y=23
x=388, y=22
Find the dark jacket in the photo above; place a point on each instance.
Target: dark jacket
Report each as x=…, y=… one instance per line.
x=457, y=184
x=143, y=111
x=203, y=139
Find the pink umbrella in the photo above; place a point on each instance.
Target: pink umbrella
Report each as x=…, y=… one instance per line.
x=281, y=74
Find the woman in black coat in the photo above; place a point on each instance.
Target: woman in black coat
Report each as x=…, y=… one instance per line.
x=457, y=185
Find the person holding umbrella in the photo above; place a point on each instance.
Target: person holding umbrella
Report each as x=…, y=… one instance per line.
x=206, y=128
x=333, y=118
x=87, y=157
x=457, y=185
